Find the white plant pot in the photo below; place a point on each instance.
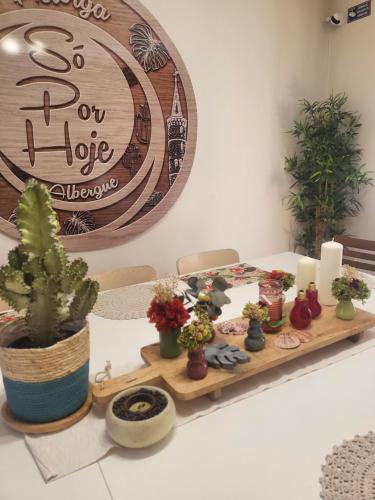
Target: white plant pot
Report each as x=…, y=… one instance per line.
x=141, y=433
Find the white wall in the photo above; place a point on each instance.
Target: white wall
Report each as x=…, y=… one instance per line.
x=249, y=61
x=352, y=70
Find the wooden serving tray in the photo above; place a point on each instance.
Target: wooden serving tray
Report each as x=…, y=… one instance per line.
x=325, y=330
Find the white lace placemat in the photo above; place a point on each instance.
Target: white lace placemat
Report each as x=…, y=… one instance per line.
x=87, y=441
x=128, y=302
x=349, y=472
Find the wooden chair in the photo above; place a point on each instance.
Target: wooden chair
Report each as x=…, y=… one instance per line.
x=206, y=260
x=4, y=306
x=358, y=253
x=124, y=276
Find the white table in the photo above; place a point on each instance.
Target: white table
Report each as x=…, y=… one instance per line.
x=267, y=447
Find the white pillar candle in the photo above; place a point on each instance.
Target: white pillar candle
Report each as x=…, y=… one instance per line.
x=306, y=272
x=330, y=266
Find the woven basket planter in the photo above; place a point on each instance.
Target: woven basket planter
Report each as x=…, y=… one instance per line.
x=43, y=385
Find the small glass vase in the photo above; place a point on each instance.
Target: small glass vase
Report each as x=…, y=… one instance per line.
x=271, y=292
x=197, y=365
x=345, y=310
x=169, y=347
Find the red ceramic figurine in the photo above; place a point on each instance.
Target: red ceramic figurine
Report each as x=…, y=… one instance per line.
x=300, y=315
x=312, y=298
x=197, y=366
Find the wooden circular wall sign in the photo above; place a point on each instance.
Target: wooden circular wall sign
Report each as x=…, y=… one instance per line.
x=97, y=104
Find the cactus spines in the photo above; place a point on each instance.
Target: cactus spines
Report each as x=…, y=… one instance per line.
x=39, y=280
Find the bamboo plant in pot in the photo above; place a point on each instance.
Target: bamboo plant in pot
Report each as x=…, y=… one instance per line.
x=44, y=356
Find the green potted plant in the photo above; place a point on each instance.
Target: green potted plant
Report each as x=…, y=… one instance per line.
x=194, y=337
x=347, y=288
x=257, y=314
x=327, y=171
x=44, y=356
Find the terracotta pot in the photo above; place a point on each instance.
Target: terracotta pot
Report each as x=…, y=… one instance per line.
x=197, y=366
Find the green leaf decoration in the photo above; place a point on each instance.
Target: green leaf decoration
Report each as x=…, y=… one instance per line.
x=36, y=221
x=221, y=284
x=218, y=298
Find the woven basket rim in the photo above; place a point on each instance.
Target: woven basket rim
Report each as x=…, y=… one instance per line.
x=51, y=347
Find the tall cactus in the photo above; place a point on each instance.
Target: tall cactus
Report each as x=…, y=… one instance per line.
x=39, y=280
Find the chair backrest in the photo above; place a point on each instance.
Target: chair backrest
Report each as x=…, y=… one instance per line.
x=206, y=260
x=357, y=252
x=124, y=276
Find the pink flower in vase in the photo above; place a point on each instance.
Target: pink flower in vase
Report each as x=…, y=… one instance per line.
x=237, y=270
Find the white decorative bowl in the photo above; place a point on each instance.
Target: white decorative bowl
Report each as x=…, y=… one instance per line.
x=140, y=433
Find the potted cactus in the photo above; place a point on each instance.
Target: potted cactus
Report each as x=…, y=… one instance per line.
x=44, y=355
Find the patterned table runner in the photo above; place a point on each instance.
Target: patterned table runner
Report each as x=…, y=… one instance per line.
x=349, y=472
x=235, y=274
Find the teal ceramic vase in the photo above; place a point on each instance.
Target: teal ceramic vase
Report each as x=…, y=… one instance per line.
x=255, y=340
x=169, y=347
x=345, y=310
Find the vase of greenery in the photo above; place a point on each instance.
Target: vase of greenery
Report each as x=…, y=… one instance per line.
x=327, y=171
x=44, y=356
x=257, y=314
x=347, y=288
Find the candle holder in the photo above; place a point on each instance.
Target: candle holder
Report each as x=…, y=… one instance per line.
x=140, y=416
x=271, y=293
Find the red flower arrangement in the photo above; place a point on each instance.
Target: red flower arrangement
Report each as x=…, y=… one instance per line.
x=167, y=315
x=286, y=279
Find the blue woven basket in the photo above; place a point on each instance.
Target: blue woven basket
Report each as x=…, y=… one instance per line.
x=43, y=385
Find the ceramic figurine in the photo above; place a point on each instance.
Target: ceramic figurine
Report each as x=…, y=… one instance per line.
x=197, y=365
x=312, y=298
x=255, y=340
x=300, y=315
x=257, y=314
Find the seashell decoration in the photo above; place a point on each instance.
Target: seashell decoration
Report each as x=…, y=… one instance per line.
x=149, y=51
x=13, y=217
x=303, y=336
x=232, y=328
x=287, y=341
x=79, y=223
